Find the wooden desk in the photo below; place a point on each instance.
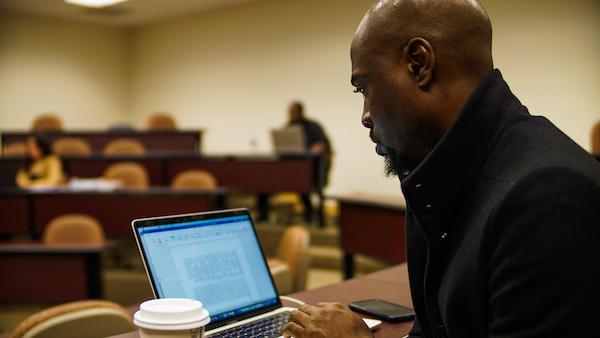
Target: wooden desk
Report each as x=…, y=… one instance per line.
x=180, y=141
x=390, y=284
x=252, y=173
x=9, y=167
x=372, y=225
x=249, y=173
x=49, y=273
x=115, y=210
x=94, y=166
x=15, y=218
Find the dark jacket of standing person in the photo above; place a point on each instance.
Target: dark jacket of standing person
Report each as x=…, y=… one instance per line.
x=314, y=134
x=315, y=138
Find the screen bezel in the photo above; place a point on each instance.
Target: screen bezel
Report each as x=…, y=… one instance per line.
x=170, y=220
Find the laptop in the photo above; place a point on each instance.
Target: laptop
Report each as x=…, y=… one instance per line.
x=216, y=258
x=289, y=140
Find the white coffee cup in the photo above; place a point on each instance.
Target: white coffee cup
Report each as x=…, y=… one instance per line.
x=171, y=318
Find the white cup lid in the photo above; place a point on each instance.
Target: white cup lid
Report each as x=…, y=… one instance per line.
x=171, y=314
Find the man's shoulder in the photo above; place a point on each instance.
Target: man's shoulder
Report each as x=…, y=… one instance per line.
x=533, y=145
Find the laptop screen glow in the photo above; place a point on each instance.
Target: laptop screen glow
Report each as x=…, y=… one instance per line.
x=216, y=261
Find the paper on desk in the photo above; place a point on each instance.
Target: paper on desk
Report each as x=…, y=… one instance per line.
x=372, y=323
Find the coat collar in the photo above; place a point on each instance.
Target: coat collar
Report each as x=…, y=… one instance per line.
x=435, y=185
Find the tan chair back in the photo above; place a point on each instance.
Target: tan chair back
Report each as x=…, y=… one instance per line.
x=72, y=146
x=161, y=121
x=194, y=180
x=88, y=318
x=73, y=229
x=293, y=250
x=132, y=175
x=125, y=146
x=596, y=139
x=15, y=149
x=47, y=122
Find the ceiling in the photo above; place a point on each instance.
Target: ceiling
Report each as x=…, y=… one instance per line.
x=128, y=14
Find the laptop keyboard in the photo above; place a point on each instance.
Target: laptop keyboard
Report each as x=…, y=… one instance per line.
x=269, y=327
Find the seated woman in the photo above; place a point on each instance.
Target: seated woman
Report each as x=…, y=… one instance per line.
x=46, y=169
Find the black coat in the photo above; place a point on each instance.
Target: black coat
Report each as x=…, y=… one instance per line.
x=314, y=133
x=503, y=227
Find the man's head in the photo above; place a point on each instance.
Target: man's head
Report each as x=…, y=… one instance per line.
x=416, y=62
x=296, y=112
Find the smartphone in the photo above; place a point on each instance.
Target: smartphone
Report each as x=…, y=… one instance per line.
x=383, y=310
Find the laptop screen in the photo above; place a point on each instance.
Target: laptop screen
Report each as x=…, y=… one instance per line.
x=216, y=260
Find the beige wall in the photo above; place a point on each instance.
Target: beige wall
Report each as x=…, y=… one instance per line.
x=78, y=70
x=233, y=71
x=549, y=52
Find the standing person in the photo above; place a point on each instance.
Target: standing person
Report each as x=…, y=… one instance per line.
x=316, y=142
x=503, y=216
x=46, y=169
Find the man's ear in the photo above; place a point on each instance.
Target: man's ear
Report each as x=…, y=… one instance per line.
x=421, y=61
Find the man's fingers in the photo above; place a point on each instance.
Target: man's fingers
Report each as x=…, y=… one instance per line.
x=324, y=304
x=293, y=330
x=299, y=317
x=306, y=308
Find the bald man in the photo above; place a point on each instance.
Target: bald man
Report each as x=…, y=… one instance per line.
x=503, y=209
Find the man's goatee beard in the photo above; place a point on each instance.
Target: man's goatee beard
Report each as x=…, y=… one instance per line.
x=393, y=166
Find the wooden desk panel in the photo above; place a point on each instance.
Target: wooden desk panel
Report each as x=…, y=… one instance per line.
x=187, y=142
x=9, y=166
x=116, y=210
x=373, y=226
x=44, y=273
x=87, y=167
x=256, y=174
x=397, y=274
x=14, y=215
x=253, y=174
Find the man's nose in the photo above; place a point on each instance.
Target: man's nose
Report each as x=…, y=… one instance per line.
x=366, y=119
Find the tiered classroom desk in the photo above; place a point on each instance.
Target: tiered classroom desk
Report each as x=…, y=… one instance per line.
x=25, y=212
x=252, y=173
x=38, y=273
x=167, y=141
x=372, y=225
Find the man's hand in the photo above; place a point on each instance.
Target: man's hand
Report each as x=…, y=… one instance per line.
x=326, y=320
x=317, y=148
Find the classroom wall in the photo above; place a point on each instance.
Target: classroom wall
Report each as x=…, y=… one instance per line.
x=48, y=65
x=549, y=52
x=233, y=71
